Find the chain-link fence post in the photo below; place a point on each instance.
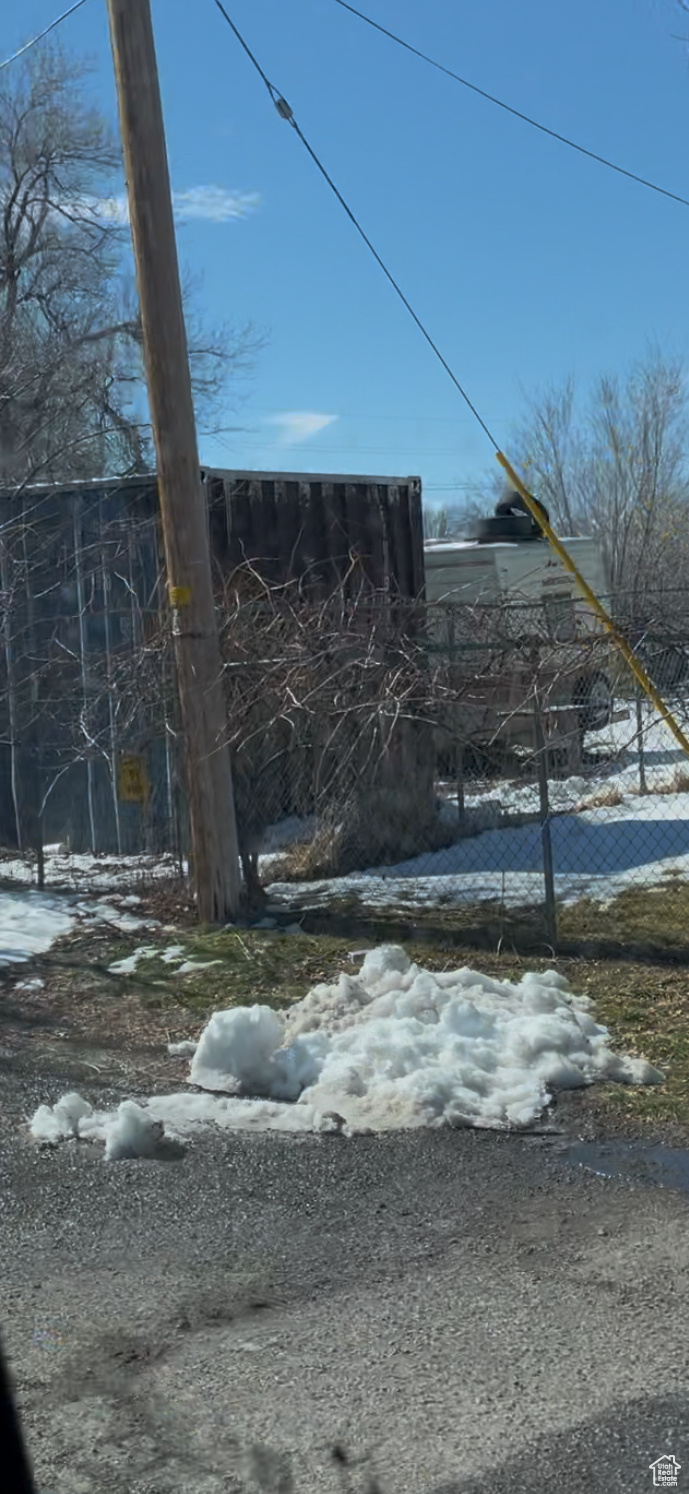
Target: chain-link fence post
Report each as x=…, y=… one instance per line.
x=643, y=785
x=459, y=781
x=546, y=840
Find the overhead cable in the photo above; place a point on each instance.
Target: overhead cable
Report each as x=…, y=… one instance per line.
x=34, y=39
x=285, y=111
x=509, y=109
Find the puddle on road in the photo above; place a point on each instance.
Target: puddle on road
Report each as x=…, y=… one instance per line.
x=633, y=1162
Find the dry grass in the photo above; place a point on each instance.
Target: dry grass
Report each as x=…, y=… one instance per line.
x=309, y=859
x=381, y=828
x=606, y=798
x=652, y=920
x=677, y=784
x=644, y=1004
x=644, y=999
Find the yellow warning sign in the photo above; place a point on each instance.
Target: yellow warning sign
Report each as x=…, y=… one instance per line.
x=180, y=596
x=133, y=787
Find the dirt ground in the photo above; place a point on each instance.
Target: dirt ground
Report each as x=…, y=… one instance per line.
x=86, y=1026
x=459, y=1310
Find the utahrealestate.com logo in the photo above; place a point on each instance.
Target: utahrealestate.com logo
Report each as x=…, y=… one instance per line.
x=665, y=1472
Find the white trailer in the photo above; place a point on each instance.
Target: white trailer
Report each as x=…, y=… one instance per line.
x=523, y=586
x=527, y=571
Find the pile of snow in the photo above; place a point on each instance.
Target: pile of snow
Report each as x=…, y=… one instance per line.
x=133, y=1133
x=61, y=1121
x=391, y=1047
x=130, y=1132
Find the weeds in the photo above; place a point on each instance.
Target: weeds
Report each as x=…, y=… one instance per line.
x=606, y=798
x=677, y=784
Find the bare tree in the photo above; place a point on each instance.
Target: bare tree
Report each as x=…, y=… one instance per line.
x=618, y=470
x=445, y=523
x=72, y=406
x=72, y=398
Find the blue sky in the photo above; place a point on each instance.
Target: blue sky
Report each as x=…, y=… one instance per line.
x=526, y=261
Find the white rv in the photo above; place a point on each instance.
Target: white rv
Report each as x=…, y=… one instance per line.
x=469, y=571
x=519, y=587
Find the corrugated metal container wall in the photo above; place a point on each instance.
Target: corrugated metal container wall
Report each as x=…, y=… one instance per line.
x=92, y=575
x=308, y=527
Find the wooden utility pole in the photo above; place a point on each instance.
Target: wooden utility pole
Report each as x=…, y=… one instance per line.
x=181, y=496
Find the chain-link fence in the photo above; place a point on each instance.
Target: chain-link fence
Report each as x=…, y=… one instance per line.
x=88, y=758
x=477, y=763
x=560, y=800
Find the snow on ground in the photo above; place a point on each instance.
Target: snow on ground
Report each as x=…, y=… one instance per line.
x=111, y=873
x=92, y=873
x=614, y=767
x=391, y=1047
x=598, y=851
x=31, y=921
x=596, y=854
x=131, y=962
x=173, y=955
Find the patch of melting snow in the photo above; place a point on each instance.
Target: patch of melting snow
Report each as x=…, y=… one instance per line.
x=30, y=922
x=88, y=873
x=170, y=956
x=190, y=965
x=172, y=953
x=104, y=912
x=130, y=963
x=393, y=1046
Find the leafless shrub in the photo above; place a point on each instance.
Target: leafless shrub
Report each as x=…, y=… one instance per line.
x=606, y=798
x=338, y=701
x=678, y=783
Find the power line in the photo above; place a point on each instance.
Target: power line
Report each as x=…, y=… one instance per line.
x=41, y=34
x=536, y=125
x=285, y=111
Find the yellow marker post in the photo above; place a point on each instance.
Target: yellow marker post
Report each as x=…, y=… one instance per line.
x=620, y=643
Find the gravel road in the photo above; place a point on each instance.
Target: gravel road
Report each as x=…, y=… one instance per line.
x=459, y=1310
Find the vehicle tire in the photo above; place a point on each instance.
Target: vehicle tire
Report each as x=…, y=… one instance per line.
x=668, y=668
x=592, y=696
